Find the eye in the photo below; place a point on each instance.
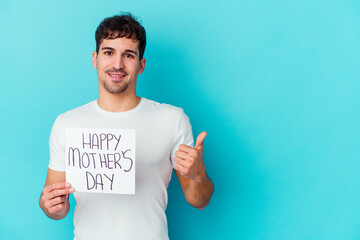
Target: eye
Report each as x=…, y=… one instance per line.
x=128, y=55
x=109, y=53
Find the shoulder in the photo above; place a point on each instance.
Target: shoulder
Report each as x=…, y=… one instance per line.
x=162, y=108
x=76, y=113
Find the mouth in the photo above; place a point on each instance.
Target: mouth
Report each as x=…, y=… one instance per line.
x=116, y=77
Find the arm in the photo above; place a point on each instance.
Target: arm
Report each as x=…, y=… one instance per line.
x=190, y=170
x=54, y=200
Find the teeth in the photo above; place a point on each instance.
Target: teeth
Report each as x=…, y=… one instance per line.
x=116, y=75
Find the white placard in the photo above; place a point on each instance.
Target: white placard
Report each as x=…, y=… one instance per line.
x=101, y=160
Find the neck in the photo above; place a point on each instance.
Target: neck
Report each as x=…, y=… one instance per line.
x=118, y=102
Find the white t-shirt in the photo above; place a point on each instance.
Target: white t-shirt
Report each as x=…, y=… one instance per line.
x=160, y=129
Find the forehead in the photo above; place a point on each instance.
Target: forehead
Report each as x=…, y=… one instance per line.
x=121, y=43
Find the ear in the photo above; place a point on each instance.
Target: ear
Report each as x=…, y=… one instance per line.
x=142, y=65
x=94, y=57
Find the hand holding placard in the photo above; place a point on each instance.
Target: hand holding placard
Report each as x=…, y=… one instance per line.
x=189, y=161
x=55, y=196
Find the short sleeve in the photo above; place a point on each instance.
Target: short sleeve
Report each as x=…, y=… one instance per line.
x=57, y=147
x=183, y=135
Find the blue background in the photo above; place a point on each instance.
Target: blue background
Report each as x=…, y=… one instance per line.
x=274, y=83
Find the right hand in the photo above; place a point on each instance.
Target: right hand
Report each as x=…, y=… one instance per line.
x=55, y=197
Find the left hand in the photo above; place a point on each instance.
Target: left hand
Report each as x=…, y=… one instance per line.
x=189, y=161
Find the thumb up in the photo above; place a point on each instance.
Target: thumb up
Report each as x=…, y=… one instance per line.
x=189, y=161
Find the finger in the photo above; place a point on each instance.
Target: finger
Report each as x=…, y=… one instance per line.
x=55, y=201
x=200, y=140
x=186, y=160
x=60, y=192
x=59, y=185
x=183, y=170
x=47, y=193
x=180, y=162
x=181, y=154
x=57, y=208
x=180, y=168
x=185, y=148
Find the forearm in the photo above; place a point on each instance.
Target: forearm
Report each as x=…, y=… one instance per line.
x=57, y=215
x=199, y=191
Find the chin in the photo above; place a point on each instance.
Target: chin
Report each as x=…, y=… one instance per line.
x=116, y=89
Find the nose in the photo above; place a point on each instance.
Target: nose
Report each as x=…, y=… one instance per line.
x=118, y=62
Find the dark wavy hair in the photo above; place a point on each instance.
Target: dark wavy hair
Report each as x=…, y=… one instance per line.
x=123, y=25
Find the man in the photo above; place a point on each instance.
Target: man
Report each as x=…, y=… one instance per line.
x=163, y=141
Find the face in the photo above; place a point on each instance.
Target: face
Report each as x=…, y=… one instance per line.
x=118, y=65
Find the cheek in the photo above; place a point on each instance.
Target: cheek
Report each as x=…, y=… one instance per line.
x=136, y=67
x=102, y=63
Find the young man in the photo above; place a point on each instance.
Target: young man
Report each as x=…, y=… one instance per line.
x=163, y=141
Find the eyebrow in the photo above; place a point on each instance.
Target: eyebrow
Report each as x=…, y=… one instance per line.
x=107, y=48
x=132, y=51
x=113, y=49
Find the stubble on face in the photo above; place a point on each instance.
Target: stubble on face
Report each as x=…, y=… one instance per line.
x=115, y=88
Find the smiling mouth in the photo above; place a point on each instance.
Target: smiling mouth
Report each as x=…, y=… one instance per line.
x=116, y=76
